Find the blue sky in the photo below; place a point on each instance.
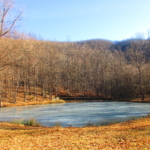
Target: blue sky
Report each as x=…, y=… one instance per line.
x=75, y=20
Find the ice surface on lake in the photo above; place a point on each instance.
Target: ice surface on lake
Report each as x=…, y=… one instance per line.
x=76, y=114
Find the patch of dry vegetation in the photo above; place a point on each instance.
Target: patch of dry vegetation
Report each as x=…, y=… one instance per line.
x=139, y=100
x=30, y=100
x=131, y=135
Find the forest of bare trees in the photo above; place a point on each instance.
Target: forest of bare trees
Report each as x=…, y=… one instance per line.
x=88, y=68
x=93, y=68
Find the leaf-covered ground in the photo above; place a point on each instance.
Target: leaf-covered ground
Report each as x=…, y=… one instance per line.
x=132, y=135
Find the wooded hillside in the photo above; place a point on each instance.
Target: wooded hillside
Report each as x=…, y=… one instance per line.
x=119, y=70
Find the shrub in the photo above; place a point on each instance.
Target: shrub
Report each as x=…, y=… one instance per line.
x=27, y=122
x=89, y=124
x=57, y=124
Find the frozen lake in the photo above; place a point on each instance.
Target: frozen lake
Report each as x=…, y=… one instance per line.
x=76, y=114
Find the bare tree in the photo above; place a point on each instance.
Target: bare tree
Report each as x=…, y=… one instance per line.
x=137, y=58
x=9, y=16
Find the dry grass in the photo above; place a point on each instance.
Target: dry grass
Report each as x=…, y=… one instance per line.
x=131, y=135
x=31, y=102
x=140, y=100
x=31, y=99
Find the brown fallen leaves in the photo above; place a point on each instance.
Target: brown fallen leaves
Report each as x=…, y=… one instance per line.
x=131, y=135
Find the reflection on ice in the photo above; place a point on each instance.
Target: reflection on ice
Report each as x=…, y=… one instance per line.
x=76, y=114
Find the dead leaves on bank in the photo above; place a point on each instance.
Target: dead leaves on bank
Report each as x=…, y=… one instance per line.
x=132, y=135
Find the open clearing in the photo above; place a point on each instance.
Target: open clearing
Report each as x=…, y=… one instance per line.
x=128, y=135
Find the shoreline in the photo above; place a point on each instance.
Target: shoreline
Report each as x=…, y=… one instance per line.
x=8, y=104
x=132, y=101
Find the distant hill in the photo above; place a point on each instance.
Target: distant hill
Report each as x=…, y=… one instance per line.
x=97, y=43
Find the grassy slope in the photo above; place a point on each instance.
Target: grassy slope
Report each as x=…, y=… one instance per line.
x=30, y=99
x=129, y=135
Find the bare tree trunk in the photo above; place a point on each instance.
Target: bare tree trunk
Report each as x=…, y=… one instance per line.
x=25, y=91
x=15, y=93
x=43, y=90
x=0, y=98
x=35, y=91
x=1, y=88
x=141, y=84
